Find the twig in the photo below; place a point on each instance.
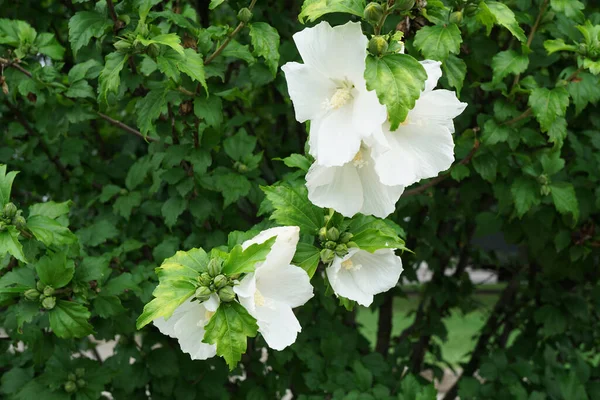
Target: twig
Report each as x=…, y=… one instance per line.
x=15, y=65
x=524, y=115
x=384, y=324
x=125, y=127
x=113, y=15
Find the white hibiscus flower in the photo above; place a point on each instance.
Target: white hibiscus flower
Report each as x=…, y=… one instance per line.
x=422, y=146
x=360, y=275
x=270, y=293
x=330, y=90
x=187, y=326
x=352, y=188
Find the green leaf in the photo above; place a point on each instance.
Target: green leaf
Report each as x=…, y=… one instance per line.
x=239, y=145
x=231, y=185
x=171, y=40
x=314, y=9
x=229, y=329
x=486, y=165
x=172, y=209
x=455, y=71
x=548, y=105
x=552, y=163
x=110, y=80
x=307, y=257
x=438, y=41
x=458, y=172
x=6, y=181
x=494, y=12
x=372, y=240
x=85, y=25
x=9, y=243
x=209, y=109
x=583, y=90
x=565, y=199
x=236, y=50
x=55, y=270
x=296, y=161
x=398, y=80
x=107, y=306
x=508, y=62
x=48, y=45
x=292, y=208
x=494, y=133
x=193, y=66
x=554, y=45
x=149, y=108
x=265, y=41
x=593, y=66
x=49, y=231
x=80, y=89
x=244, y=261
x=570, y=8
x=558, y=131
x=215, y=3
x=526, y=194
x=70, y=320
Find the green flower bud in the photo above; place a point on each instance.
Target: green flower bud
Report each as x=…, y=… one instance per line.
x=341, y=250
x=203, y=293
x=48, y=291
x=19, y=222
x=40, y=286
x=214, y=267
x=351, y=244
x=378, y=45
x=333, y=234
x=326, y=218
x=327, y=256
x=72, y=377
x=31, y=294
x=404, y=5
x=456, y=17
x=10, y=210
x=373, y=13
x=81, y=383
x=204, y=279
x=2, y=226
x=122, y=45
x=345, y=237
x=49, y=302
x=153, y=50
x=330, y=245
x=471, y=8
x=70, y=387
x=323, y=234
x=545, y=190
x=543, y=179
x=244, y=15
x=220, y=281
x=80, y=372
x=227, y=294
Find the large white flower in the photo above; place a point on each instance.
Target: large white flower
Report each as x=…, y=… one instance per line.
x=187, y=326
x=360, y=275
x=352, y=188
x=270, y=293
x=422, y=146
x=330, y=90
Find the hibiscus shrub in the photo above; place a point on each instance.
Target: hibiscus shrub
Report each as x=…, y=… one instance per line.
x=198, y=197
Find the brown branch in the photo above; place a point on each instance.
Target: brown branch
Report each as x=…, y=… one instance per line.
x=125, y=127
x=15, y=65
x=113, y=15
x=384, y=324
x=524, y=115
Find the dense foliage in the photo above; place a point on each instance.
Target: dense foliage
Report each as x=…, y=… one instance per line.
x=135, y=129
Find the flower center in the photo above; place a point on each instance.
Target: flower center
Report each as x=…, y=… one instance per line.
x=208, y=315
x=259, y=300
x=348, y=265
x=341, y=97
x=359, y=160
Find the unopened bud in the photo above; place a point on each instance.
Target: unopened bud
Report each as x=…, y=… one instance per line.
x=19, y=222
x=70, y=387
x=122, y=45
x=323, y=234
x=48, y=291
x=203, y=293
x=327, y=256
x=244, y=15
x=72, y=377
x=80, y=372
x=226, y=294
x=81, y=383
x=40, y=286
x=31, y=294
x=378, y=45
x=153, y=50
x=404, y=5
x=351, y=244
x=341, y=250
x=204, y=279
x=333, y=234
x=49, y=302
x=10, y=210
x=2, y=226
x=345, y=237
x=456, y=17
x=330, y=245
x=543, y=179
x=214, y=267
x=373, y=12
x=545, y=190
x=220, y=281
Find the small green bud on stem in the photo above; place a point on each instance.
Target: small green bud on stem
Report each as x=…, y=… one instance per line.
x=244, y=15
x=204, y=279
x=49, y=302
x=81, y=383
x=220, y=281
x=19, y=222
x=214, y=267
x=327, y=256
x=333, y=234
x=40, y=286
x=373, y=13
x=31, y=294
x=378, y=45
x=203, y=293
x=72, y=377
x=10, y=210
x=341, y=250
x=404, y=5
x=48, y=291
x=330, y=245
x=345, y=237
x=70, y=387
x=323, y=234
x=456, y=17
x=80, y=372
x=226, y=294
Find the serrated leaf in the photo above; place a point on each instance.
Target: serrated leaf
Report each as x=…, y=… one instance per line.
x=508, y=62
x=239, y=145
x=494, y=12
x=9, y=243
x=229, y=329
x=548, y=105
x=209, y=109
x=149, y=108
x=570, y=8
x=215, y=3
x=455, y=71
x=172, y=209
x=494, y=133
x=372, y=234
x=80, y=89
x=554, y=45
x=171, y=40
x=307, y=257
x=292, y=208
x=314, y=9
x=583, y=90
x=47, y=44
x=193, y=66
x=107, y=306
x=85, y=25
x=110, y=80
x=6, y=181
x=49, y=231
x=565, y=199
x=296, y=161
x=459, y=172
x=55, y=270
x=236, y=50
x=552, y=163
x=265, y=41
x=486, y=165
x=526, y=194
x=398, y=80
x=438, y=41
x=70, y=320
x=244, y=261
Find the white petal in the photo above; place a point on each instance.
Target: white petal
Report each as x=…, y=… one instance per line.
x=379, y=199
x=417, y=152
x=368, y=113
x=287, y=284
x=246, y=290
x=337, y=52
x=343, y=283
x=283, y=249
x=334, y=139
x=212, y=303
x=335, y=187
x=380, y=270
x=437, y=107
x=308, y=89
x=278, y=325
x=434, y=73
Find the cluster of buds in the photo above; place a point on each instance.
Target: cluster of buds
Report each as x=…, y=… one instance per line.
x=334, y=242
x=214, y=281
x=43, y=294
x=11, y=215
x=75, y=381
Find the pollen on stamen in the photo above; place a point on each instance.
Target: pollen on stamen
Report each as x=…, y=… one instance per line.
x=341, y=97
x=208, y=314
x=358, y=161
x=259, y=300
x=350, y=266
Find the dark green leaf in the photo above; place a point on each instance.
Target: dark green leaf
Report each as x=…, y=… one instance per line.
x=70, y=320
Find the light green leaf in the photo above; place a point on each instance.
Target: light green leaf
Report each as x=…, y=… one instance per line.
x=80, y=89
x=9, y=243
x=6, y=181
x=70, y=320
x=244, y=261
x=455, y=71
x=508, y=62
x=296, y=161
x=172, y=209
x=554, y=45
x=313, y=9
x=593, y=66
x=265, y=41
x=215, y=3
x=209, y=109
x=85, y=25
x=110, y=79
x=494, y=12
x=548, y=105
x=558, y=131
x=398, y=80
x=89, y=69
x=50, y=209
x=48, y=45
x=55, y=270
x=171, y=40
x=565, y=199
x=49, y=231
x=570, y=8
x=229, y=329
x=307, y=257
x=193, y=66
x=239, y=145
x=438, y=41
x=552, y=163
x=292, y=208
x=526, y=194
x=372, y=240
